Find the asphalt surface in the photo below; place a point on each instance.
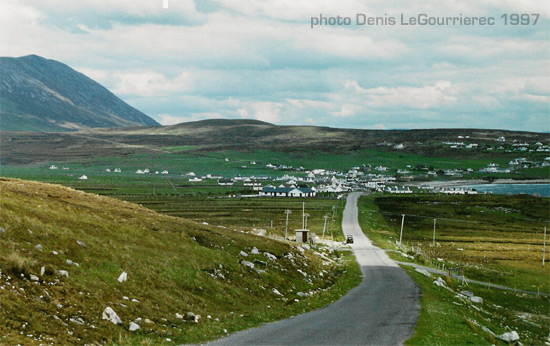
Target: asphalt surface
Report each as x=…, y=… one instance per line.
x=382, y=310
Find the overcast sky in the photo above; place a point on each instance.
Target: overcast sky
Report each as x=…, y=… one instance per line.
x=262, y=60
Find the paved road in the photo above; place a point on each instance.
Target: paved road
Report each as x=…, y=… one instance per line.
x=382, y=310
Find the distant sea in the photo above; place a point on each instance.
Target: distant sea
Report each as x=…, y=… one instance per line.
x=513, y=189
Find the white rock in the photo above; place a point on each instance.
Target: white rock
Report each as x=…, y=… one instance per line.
x=123, y=277
x=467, y=293
x=133, y=326
x=135, y=300
x=2, y=230
x=137, y=320
x=77, y=320
x=301, y=249
x=191, y=317
x=255, y=251
x=306, y=246
x=475, y=299
x=244, y=254
x=509, y=337
x=63, y=273
x=423, y=272
x=248, y=264
x=271, y=257
x=39, y=247
x=439, y=282
x=110, y=315
x=81, y=243
x=34, y=277
x=42, y=271
x=180, y=316
x=55, y=253
x=276, y=291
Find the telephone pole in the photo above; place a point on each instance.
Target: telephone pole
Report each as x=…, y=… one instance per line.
x=544, y=247
x=401, y=234
x=325, y=226
x=287, y=212
x=434, y=233
x=306, y=221
x=303, y=215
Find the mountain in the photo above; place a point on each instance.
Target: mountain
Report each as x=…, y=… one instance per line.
x=38, y=94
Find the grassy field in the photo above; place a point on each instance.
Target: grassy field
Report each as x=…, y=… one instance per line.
x=174, y=266
x=496, y=239
x=251, y=213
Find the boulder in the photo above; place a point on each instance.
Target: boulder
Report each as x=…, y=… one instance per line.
x=42, y=271
x=271, y=257
x=475, y=299
x=248, y=264
x=191, y=317
x=110, y=315
x=467, y=293
x=255, y=251
x=276, y=291
x=423, y=272
x=63, y=273
x=34, y=277
x=179, y=316
x=133, y=326
x=509, y=337
x=244, y=254
x=123, y=277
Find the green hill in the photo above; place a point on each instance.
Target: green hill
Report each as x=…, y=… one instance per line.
x=174, y=267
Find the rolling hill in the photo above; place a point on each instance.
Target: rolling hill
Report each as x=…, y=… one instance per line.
x=62, y=252
x=37, y=94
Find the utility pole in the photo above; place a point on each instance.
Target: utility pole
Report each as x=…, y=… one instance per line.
x=287, y=212
x=306, y=221
x=434, y=233
x=544, y=247
x=333, y=211
x=303, y=215
x=401, y=234
x=271, y=224
x=325, y=226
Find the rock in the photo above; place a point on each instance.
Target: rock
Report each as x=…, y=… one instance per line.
x=423, y=272
x=306, y=246
x=63, y=273
x=301, y=249
x=2, y=230
x=439, y=282
x=148, y=321
x=191, y=317
x=467, y=293
x=55, y=253
x=179, y=316
x=271, y=257
x=77, y=320
x=137, y=320
x=475, y=299
x=261, y=232
x=276, y=291
x=248, y=264
x=509, y=337
x=42, y=271
x=133, y=326
x=34, y=277
x=255, y=251
x=39, y=247
x=301, y=294
x=123, y=277
x=81, y=243
x=135, y=300
x=244, y=254
x=110, y=315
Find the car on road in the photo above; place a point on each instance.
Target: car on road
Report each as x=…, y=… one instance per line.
x=349, y=239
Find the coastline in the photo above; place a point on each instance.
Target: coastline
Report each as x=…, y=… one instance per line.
x=455, y=183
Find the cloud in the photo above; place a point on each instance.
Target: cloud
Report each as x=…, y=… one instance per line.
x=264, y=111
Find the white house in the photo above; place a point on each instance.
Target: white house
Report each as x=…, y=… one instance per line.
x=272, y=191
x=53, y=167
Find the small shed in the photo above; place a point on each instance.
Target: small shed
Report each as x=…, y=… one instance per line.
x=302, y=235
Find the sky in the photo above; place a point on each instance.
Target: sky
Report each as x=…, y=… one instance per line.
x=263, y=59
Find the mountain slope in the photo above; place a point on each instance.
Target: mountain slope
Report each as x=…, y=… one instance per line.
x=174, y=266
x=38, y=94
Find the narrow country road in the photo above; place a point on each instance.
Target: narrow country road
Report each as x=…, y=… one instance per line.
x=382, y=310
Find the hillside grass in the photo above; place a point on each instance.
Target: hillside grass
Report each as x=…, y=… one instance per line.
x=174, y=266
x=498, y=228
